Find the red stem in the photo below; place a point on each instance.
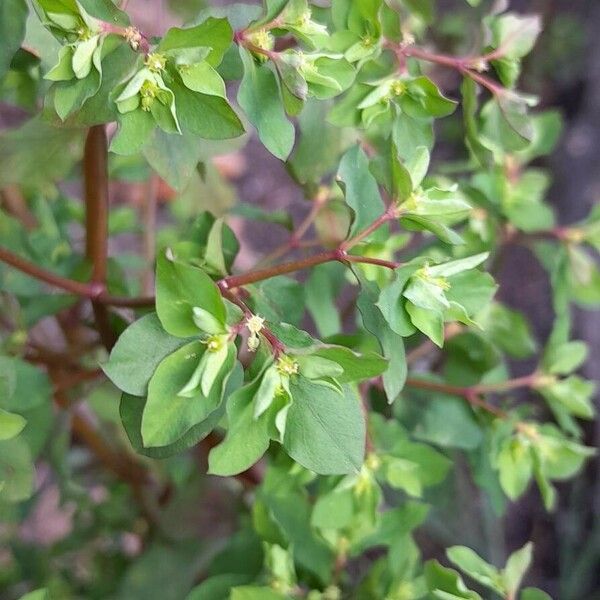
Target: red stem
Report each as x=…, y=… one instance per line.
x=234, y=281
x=472, y=393
x=463, y=65
x=95, y=177
x=93, y=291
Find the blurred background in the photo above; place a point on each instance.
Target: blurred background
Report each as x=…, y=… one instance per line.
x=102, y=535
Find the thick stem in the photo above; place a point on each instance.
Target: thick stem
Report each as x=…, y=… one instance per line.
x=95, y=176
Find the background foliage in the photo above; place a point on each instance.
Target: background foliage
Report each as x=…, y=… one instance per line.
x=362, y=422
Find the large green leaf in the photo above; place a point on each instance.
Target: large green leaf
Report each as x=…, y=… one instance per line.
x=13, y=16
x=37, y=154
x=210, y=117
x=167, y=415
x=325, y=430
x=137, y=353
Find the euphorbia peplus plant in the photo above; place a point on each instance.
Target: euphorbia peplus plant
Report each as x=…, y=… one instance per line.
x=334, y=428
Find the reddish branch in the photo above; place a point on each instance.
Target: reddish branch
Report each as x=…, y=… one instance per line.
x=95, y=178
x=473, y=393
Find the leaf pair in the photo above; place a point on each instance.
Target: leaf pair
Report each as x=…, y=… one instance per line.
x=178, y=89
x=424, y=297
x=543, y=453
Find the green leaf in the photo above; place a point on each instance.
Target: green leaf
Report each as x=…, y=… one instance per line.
x=13, y=16
x=506, y=123
x=214, y=255
x=179, y=289
x=319, y=145
x=259, y=97
x=473, y=565
x=202, y=78
x=509, y=330
x=250, y=592
x=16, y=471
x=11, y=424
x=37, y=154
x=325, y=430
x=515, y=35
x=247, y=437
x=217, y=587
x=70, y=96
x=360, y=189
x=174, y=157
x=448, y=422
x=432, y=100
x=135, y=128
x=278, y=299
x=397, y=178
x=137, y=353
x=573, y=393
x=212, y=33
x=564, y=358
x=392, y=344
x=447, y=584
x=27, y=386
x=208, y=116
x=516, y=567
x=321, y=289
x=131, y=409
x=334, y=510
x=391, y=303
x=515, y=464
x=428, y=321
x=169, y=415
x=356, y=367
x=41, y=594
x=290, y=510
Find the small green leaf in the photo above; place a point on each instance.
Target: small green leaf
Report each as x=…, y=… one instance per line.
x=247, y=436
x=516, y=567
x=355, y=367
x=260, y=99
x=360, y=189
x=475, y=567
x=564, y=358
x=250, y=592
x=202, y=78
x=181, y=287
x=515, y=464
x=16, y=470
x=11, y=424
x=215, y=34
x=446, y=584
x=392, y=344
